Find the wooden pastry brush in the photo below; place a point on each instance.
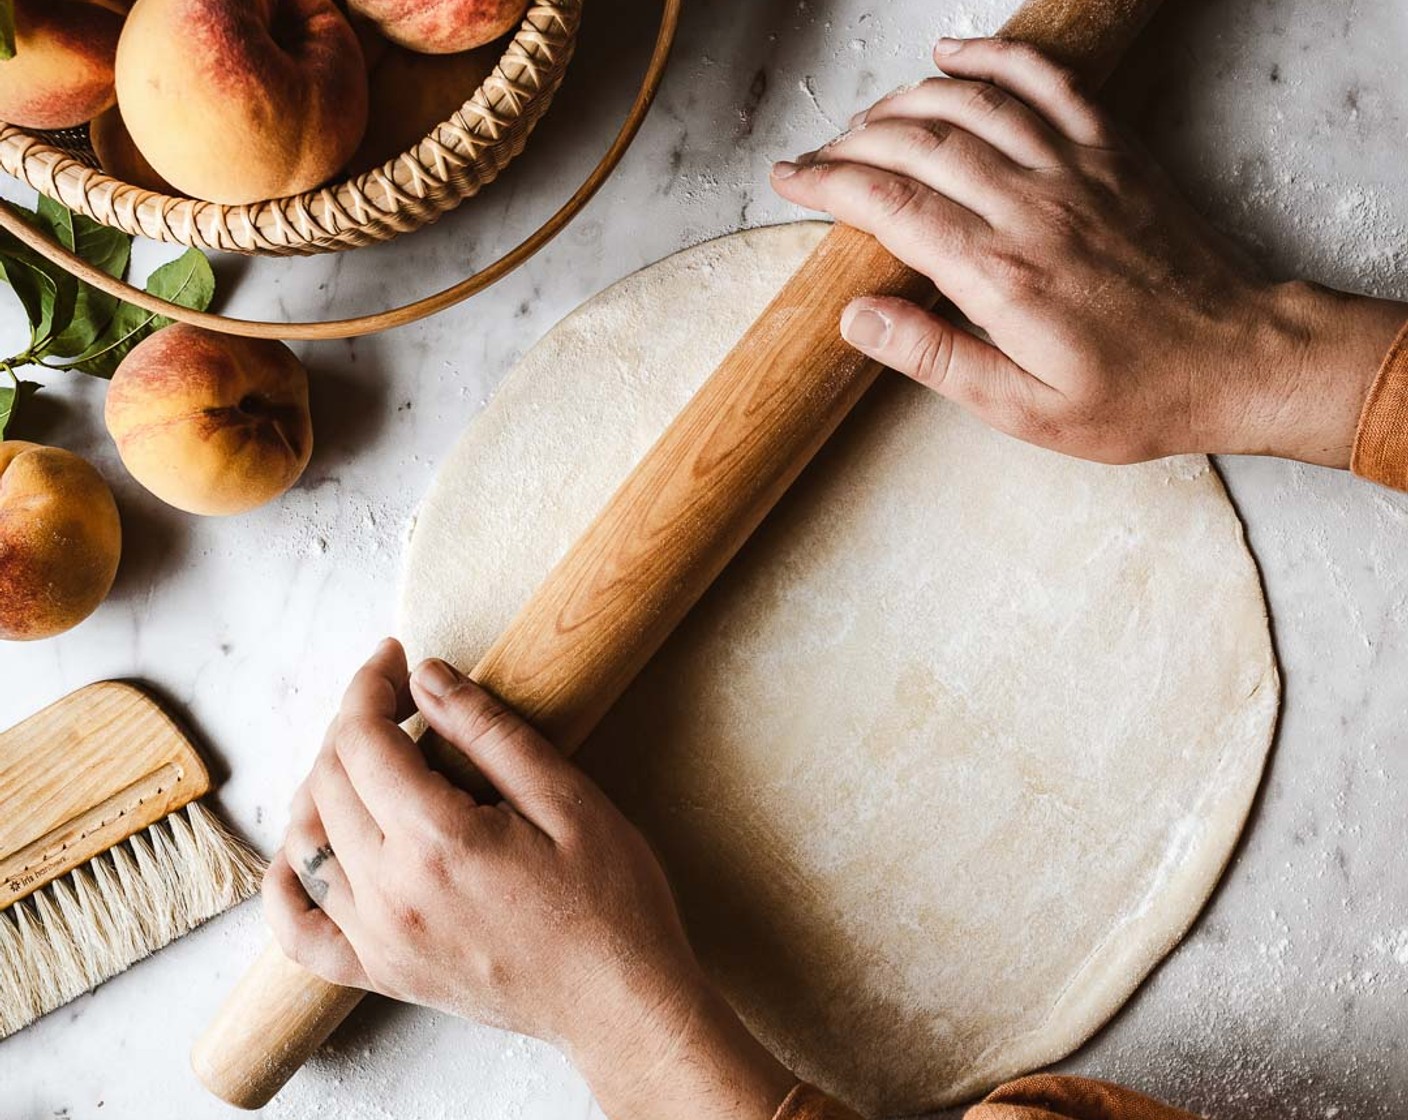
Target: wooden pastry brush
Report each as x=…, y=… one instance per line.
x=105, y=853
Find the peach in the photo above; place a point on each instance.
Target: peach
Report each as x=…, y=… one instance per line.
x=210, y=423
x=237, y=101
x=60, y=540
x=62, y=71
x=412, y=93
x=442, y=26
x=119, y=157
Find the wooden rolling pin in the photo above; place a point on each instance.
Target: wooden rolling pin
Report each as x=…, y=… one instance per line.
x=666, y=534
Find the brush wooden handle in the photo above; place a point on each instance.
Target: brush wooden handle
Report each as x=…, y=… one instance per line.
x=670, y=529
x=83, y=775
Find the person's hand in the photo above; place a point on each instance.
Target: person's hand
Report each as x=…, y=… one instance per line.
x=1122, y=326
x=546, y=913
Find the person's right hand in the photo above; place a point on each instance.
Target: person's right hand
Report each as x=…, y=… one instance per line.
x=1121, y=326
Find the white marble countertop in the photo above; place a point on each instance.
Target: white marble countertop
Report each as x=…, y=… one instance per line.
x=1287, y=119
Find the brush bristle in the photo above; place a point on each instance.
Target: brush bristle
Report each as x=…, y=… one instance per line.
x=103, y=917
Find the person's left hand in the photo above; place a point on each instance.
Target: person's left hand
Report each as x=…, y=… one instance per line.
x=546, y=913
x=507, y=913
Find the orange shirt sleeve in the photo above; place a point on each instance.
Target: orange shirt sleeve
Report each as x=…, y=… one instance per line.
x=807, y=1102
x=1381, y=443
x=1048, y=1097
x=1042, y=1097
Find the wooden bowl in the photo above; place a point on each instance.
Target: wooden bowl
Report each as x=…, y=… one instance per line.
x=452, y=163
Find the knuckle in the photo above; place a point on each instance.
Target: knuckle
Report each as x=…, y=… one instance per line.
x=484, y=717
x=987, y=98
x=1064, y=218
x=405, y=918
x=429, y=835
x=894, y=196
x=929, y=357
x=436, y=867
x=926, y=139
x=493, y=976
x=1014, y=274
x=815, y=176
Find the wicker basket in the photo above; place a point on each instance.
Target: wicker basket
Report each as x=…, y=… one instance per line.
x=451, y=164
x=444, y=169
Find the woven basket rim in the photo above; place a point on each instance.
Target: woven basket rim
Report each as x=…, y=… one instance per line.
x=451, y=163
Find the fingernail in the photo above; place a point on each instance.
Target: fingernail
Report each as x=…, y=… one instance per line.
x=865, y=329
x=437, y=677
x=385, y=645
x=858, y=119
x=948, y=46
x=784, y=169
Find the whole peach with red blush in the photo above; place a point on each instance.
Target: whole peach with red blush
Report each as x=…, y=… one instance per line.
x=62, y=72
x=442, y=26
x=210, y=423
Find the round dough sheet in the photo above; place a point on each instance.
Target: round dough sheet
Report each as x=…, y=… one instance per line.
x=956, y=749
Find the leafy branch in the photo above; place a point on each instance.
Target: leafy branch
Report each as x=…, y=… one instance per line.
x=74, y=326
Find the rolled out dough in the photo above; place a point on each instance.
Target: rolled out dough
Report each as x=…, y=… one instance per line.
x=955, y=750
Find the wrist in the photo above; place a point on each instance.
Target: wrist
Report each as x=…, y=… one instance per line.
x=1313, y=359
x=680, y=1051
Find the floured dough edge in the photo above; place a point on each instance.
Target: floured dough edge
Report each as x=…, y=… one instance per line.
x=1117, y=967
x=1131, y=953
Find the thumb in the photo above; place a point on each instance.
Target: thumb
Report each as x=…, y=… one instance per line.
x=958, y=365
x=525, y=769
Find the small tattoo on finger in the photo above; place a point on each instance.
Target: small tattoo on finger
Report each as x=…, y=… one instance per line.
x=316, y=888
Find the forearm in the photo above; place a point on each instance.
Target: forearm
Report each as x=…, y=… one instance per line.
x=1309, y=366
x=683, y=1054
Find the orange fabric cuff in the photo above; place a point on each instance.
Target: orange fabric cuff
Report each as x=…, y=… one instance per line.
x=807, y=1102
x=1042, y=1097
x=1381, y=442
x=1047, y=1096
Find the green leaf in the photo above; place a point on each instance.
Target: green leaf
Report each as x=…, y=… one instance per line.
x=7, y=30
x=57, y=219
x=188, y=281
x=12, y=398
x=33, y=285
x=46, y=290
x=106, y=248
